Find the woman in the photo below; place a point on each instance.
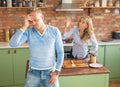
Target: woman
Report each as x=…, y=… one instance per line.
x=82, y=34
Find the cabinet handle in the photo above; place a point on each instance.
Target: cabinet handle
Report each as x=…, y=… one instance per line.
x=8, y=51
x=14, y=51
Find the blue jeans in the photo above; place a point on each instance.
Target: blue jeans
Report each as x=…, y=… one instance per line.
x=36, y=78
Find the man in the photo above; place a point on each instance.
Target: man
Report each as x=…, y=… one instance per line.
x=46, y=50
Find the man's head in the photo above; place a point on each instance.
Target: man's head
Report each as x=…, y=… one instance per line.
x=36, y=16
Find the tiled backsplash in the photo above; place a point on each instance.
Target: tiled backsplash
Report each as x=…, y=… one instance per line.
x=104, y=23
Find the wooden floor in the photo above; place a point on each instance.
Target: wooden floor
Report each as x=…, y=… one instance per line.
x=114, y=84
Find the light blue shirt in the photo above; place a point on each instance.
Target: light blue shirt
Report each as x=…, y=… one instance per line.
x=80, y=48
x=45, y=49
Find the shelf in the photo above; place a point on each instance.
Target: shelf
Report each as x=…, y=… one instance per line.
x=21, y=7
x=99, y=7
x=78, y=7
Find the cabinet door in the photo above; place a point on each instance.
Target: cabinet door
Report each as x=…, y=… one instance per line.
x=6, y=68
x=20, y=57
x=112, y=60
x=100, y=55
x=93, y=80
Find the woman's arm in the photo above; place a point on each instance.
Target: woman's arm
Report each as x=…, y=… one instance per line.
x=94, y=44
x=66, y=33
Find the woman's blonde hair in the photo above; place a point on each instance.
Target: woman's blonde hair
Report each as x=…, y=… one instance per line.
x=89, y=30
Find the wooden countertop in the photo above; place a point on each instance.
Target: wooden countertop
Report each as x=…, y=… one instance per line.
x=83, y=71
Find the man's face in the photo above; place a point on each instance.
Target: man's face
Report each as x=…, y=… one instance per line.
x=36, y=18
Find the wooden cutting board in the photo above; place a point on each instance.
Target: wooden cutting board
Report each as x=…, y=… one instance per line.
x=73, y=63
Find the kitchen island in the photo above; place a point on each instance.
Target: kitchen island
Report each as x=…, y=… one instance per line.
x=84, y=77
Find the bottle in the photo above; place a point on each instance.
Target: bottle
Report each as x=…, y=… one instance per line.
x=7, y=37
x=35, y=4
x=30, y=3
x=104, y=3
x=20, y=4
x=14, y=3
x=97, y=3
x=9, y=3
x=24, y=3
x=4, y=3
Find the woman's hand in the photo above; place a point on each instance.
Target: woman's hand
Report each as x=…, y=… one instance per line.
x=53, y=78
x=68, y=22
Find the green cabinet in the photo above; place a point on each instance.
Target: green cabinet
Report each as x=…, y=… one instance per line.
x=20, y=58
x=93, y=80
x=100, y=53
x=13, y=66
x=6, y=67
x=112, y=60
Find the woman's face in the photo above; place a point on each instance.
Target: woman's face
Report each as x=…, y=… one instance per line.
x=82, y=24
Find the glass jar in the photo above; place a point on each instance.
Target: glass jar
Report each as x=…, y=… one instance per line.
x=92, y=59
x=7, y=37
x=104, y=3
x=117, y=4
x=110, y=3
x=97, y=3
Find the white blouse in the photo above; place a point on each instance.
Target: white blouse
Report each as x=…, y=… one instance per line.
x=80, y=48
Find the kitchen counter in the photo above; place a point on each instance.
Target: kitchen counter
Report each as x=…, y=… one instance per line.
x=83, y=71
x=6, y=44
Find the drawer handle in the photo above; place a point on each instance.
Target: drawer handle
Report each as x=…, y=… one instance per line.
x=8, y=51
x=14, y=51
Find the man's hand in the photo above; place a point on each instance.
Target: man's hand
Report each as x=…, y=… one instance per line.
x=53, y=78
x=27, y=21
